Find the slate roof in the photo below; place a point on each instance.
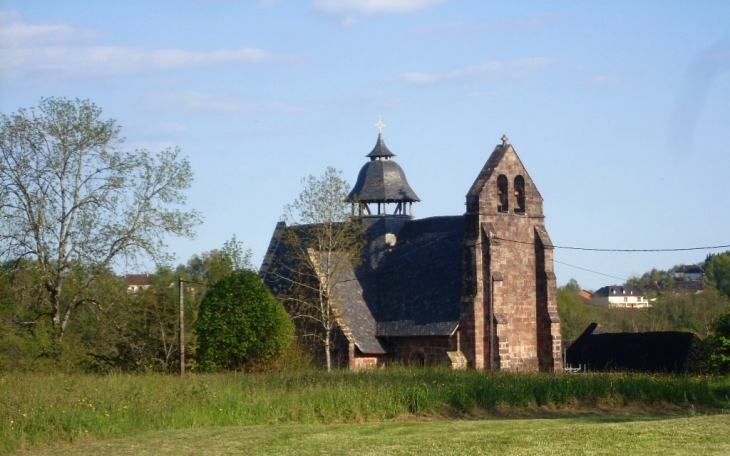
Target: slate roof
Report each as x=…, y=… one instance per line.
x=689, y=269
x=357, y=315
x=665, y=351
x=382, y=180
x=615, y=290
x=414, y=289
x=140, y=280
x=411, y=289
x=380, y=149
x=419, y=280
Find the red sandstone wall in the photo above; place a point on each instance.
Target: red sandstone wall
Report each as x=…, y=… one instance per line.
x=429, y=351
x=509, y=308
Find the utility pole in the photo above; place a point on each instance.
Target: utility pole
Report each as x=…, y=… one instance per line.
x=181, y=292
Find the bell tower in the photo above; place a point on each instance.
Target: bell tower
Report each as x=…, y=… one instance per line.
x=381, y=185
x=382, y=198
x=509, y=315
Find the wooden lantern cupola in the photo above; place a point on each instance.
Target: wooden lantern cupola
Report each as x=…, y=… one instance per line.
x=382, y=184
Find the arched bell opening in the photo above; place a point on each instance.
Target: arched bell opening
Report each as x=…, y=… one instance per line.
x=520, y=195
x=502, y=193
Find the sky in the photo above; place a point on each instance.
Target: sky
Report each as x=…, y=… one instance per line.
x=620, y=111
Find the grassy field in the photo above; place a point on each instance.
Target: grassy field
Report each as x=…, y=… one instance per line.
x=37, y=411
x=706, y=435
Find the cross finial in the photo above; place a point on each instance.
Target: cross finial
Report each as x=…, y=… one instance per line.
x=505, y=140
x=380, y=124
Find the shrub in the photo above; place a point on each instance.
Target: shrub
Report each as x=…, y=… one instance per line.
x=717, y=345
x=241, y=325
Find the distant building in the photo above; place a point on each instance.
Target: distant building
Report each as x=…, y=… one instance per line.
x=585, y=295
x=688, y=272
x=137, y=282
x=619, y=296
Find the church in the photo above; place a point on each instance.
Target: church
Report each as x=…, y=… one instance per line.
x=475, y=291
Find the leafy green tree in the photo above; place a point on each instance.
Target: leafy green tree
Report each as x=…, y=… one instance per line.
x=135, y=332
x=324, y=242
x=74, y=203
x=25, y=342
x=27, y=337
x=241, y=325
x=717, y=345
x=573, y=285
x=209, y=267
x=653, y=278
x=575, y=314
x=717, y=271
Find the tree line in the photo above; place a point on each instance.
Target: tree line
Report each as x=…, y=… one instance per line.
x=74, y=207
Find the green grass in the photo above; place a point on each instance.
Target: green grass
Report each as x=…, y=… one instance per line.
x=706, y=435
x=46, y=409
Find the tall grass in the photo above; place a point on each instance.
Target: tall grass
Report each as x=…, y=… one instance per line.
x=46, y=408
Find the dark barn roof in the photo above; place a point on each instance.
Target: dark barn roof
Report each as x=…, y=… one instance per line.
x=665, y=351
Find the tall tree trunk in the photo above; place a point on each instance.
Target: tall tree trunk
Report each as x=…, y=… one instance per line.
x=328, y=348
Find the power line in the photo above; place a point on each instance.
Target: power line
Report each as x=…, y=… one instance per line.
x=567, y=264
x=618, y=250
x=589, y=270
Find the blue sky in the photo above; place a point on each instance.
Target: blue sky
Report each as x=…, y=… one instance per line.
x=619, y=110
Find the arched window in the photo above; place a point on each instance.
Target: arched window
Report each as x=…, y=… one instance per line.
x=502, y=193
x=520, y=194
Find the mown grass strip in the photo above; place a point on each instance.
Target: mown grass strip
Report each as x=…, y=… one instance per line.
x=706, y=435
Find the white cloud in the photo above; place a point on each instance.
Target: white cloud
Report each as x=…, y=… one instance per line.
x=116, y=61
x=373, y=7
x=495, y=68
x=15, y=33
x=61, y=51
x=191, y=101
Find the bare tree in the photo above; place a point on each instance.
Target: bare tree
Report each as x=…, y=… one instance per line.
x=323, y=244
x=75, y=204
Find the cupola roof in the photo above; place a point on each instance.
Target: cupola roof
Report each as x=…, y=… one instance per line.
x=380, y=150
x=381, y=179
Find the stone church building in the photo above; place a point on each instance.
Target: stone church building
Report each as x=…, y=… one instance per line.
x=476, y=290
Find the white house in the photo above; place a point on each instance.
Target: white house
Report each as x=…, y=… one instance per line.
x=137, y=282
x=618, y=296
